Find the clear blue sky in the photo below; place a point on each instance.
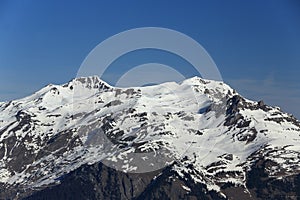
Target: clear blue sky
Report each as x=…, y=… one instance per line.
x=255, y=44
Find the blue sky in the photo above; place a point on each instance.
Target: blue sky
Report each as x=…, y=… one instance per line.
x=255, y=44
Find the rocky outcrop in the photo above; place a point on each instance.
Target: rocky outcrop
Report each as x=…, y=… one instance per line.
x=201, y=140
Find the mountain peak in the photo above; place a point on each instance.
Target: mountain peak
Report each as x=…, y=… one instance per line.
x=90, y=81
x=215, y=136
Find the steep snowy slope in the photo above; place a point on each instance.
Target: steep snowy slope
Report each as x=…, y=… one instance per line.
x=201, y=128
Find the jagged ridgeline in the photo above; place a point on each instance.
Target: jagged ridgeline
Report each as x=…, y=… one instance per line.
x=198, y=139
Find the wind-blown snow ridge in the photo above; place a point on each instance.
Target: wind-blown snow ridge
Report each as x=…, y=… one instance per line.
x=200, y=123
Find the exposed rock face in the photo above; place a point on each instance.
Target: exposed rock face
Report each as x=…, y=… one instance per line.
x=264, y=186
x=99, y=182
x=194, y=140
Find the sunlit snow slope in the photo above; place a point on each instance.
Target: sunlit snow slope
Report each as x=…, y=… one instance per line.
x=199, y=127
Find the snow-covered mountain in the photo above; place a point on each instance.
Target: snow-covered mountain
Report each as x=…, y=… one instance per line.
x=197, y=139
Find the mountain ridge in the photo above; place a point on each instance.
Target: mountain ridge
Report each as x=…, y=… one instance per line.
x=203, y=129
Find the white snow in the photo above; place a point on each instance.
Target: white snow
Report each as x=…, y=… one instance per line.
x=174, y=119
